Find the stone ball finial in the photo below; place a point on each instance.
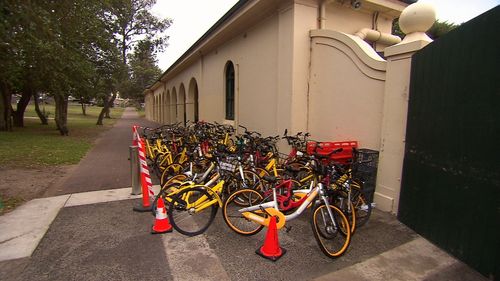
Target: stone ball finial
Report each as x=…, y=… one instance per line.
x=417, y=17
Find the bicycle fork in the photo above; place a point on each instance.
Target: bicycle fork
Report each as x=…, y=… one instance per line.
x=329, y=211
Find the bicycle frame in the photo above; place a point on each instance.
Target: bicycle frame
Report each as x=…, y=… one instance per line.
x=214, y=191
x=270, y=167
x=202, y=203
x=167, y=159
x=310, y=196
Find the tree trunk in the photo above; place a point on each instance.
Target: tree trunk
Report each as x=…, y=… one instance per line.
x=18, y=114
x=84, y=109
x=5, y=107
x=110, y=104
x=103, y=111
x=40, y=114
x=61, y=117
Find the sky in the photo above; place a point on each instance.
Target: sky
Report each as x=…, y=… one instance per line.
x=192, y=18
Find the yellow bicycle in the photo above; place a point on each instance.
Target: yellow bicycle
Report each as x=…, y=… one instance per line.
x=193, y=207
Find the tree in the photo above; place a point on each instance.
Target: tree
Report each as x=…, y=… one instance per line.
x=12, y=37
x=51, y=46
x=144, y=70
x=69, y=47
x=132, y=22
x=79, y=35
x=111, y=71
x=437, y=30
x=41, y=114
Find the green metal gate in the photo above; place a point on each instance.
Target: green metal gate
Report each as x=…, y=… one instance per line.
x=450, y=190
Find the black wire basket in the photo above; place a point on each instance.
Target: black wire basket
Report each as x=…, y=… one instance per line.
x=365, y=170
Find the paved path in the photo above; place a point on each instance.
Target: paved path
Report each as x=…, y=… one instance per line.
x=106, y=165
x=87, y=237
x=107, y=241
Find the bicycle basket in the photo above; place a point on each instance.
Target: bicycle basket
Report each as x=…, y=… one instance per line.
x=366, y=158
x=228, y=163
x=365, y=169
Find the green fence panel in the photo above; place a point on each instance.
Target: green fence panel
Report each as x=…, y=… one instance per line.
x=450, y=190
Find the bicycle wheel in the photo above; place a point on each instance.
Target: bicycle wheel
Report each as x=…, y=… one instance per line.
x=351, y=217
x=251, y=180
x=185, y=214
x=362, y=207
x=305, y=176
x=235, y=219
x=169, y=189
x=177, y=159
x=347, y=207
x=156, y=168
x=175, y=179
x=161, y=160
x=262, y=172
x=333, y=236
x=169, y=171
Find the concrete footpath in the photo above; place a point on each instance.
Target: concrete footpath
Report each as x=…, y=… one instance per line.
x=95, y=235
x=106, y=165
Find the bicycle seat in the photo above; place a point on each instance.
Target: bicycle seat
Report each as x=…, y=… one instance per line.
x=271, y=179
x=292, y=169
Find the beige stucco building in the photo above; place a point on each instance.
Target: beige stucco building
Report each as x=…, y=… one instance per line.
x=327, y=67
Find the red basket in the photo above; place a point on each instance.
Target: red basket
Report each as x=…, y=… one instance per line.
x=325, y=148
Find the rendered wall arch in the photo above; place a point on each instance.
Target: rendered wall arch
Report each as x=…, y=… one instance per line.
x=168, y=120
x=173, y=106
x=181, y=105
x=155, y=108
x=164, y=106
x=192, y=101
x=160, y=108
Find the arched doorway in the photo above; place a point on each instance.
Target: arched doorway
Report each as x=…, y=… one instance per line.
x=173, y=106
x=192, y=101
x=181, y=106
x=168, y=120
x=155, y=109
x=160, y=108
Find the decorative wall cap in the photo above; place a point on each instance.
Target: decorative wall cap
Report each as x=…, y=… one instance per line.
x=416, y=19
x=363, y=50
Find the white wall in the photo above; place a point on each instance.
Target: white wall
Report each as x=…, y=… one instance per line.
x=346, y=91
x=254, y=55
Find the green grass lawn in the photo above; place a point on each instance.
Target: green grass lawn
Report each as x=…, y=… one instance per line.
x=38, y=145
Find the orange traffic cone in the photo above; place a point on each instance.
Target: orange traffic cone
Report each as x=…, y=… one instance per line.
x=162, y=225
x=271, y=248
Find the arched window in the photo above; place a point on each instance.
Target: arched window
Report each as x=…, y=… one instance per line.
x=229, y=91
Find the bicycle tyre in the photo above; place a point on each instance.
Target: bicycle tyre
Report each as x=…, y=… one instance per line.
x=177, y=159
x=351, y=217
x=362, y=206
x=186, y=221
x=234, y=219
x=175, y=179
x=169, y=171
x=333, y=241
x=252, y=180
x=168, y=191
